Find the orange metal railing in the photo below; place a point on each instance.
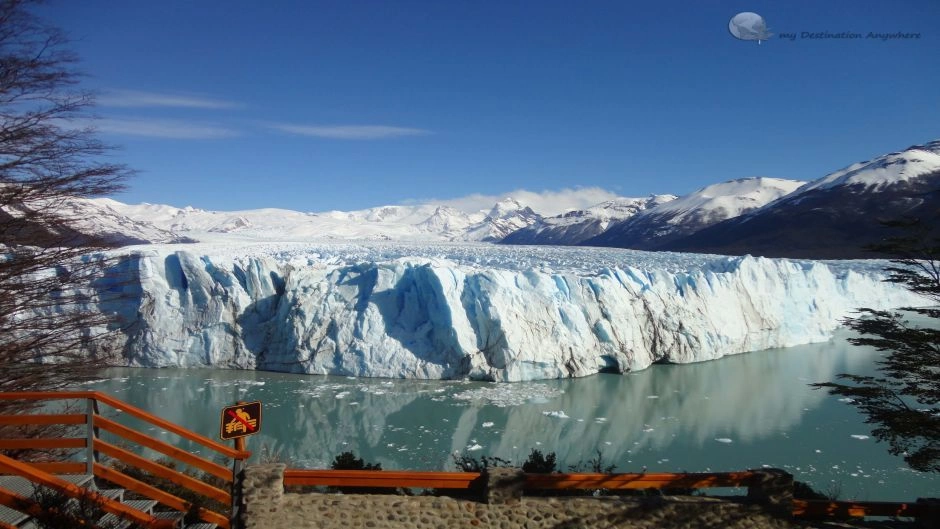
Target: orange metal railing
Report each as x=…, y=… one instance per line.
x=382, y=479
x=71, y=490
x=93, y=447
x=123, y=449
x=473, y=480
x=825, y=508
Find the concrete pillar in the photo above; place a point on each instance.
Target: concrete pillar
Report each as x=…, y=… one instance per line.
x=503, y=485
x=263, y=492
x=772, y=488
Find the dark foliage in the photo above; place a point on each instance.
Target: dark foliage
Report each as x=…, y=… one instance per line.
x=197, y=502
x=468, y=463
x=58, y=511
x=48, y=156
x=538, y=463
x=595, y=464
x=349, y=461
x=903, y=402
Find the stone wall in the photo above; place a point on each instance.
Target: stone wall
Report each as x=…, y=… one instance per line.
x=502, y=507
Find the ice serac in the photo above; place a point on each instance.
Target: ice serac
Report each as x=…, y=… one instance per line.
x=441, y=317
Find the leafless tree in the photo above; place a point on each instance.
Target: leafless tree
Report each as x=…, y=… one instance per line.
x=47, y=158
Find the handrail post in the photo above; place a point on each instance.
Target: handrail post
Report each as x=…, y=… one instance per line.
x=91, y=456
x=238, y=467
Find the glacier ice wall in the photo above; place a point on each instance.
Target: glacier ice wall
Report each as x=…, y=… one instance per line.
x=433, y=317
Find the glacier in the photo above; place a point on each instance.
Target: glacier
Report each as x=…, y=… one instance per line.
x=483, y=312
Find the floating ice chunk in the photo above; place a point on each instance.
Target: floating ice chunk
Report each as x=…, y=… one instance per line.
x=859, y=436
x=723, y=440
x=652, y=396
x=488, y=424
x=558, y=413
x=503, y=395
x=647, y=430
x=600, y=419
x=342, y=395
x=846, y=399
x=474, y=448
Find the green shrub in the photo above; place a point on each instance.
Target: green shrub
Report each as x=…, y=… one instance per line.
x=468, y=463
x=349, y=461
x=196, y=500
x=538, y=463
x=59, y=511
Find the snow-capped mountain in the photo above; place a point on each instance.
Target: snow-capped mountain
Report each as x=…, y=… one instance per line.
x=507, y=216
x=85, y=221
x=448, y=221
x=380, y=223
x=835, y=216
x=579, y=225
x=831, y=217
x=654, y=227
x=99, y=218
x=424, y=222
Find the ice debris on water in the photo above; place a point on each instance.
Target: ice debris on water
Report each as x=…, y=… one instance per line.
x=859, y=436
x=504, y=395
x=557, y=413
x=723, y=440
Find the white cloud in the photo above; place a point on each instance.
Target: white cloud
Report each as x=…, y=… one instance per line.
x=158, y=128
x=137, y=99
x=348, y=132
x=544, y=202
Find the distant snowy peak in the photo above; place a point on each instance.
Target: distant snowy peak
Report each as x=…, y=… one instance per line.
x=726, y=199
x=448, y=220
x=672, y=219
x=576, y=226
x=507, y=216
x=885, y=171
x=623, y=208
x=97, y=217
x=837, y=216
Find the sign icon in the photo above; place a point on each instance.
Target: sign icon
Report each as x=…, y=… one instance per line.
x=749, y=26
x=240, y=420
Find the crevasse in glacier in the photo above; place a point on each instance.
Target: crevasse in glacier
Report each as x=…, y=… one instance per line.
x=454, y=312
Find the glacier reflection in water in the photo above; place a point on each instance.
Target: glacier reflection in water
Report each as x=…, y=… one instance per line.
x=739, y=412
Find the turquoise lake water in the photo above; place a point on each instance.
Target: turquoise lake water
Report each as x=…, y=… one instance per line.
x=743, y=411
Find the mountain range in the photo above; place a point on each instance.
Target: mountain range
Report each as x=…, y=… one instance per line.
x=832, y=217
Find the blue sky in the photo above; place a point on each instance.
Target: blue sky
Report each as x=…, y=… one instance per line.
x=351, y=104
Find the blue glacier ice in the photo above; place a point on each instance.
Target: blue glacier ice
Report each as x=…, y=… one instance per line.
x=469, y=311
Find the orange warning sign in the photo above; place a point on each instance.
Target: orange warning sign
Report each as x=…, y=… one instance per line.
x=240, y=420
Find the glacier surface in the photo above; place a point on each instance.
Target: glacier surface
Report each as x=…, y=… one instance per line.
x=469, y=311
